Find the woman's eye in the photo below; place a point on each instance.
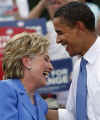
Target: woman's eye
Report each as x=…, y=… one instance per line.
x=46, y=59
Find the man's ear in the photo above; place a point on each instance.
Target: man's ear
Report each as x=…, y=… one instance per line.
x=27, y=62
x=80, y=26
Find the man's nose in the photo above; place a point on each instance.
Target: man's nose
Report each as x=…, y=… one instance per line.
x=58, y=40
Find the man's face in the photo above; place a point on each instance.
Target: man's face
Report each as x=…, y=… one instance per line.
x=68, y=37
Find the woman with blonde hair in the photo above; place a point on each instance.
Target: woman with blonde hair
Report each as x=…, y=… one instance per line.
x=26, y=65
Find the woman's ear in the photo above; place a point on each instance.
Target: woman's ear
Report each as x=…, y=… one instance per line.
x=27, y=62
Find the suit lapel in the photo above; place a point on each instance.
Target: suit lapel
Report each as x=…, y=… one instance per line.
x=28, y=105
x=40, y=111
x=23, y=97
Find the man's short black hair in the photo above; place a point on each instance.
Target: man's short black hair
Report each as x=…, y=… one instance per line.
x=77, y=11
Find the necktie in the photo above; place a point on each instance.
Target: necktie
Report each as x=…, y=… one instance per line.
x=81, y=95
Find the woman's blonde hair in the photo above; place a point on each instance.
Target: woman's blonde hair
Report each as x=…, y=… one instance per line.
x=22, y=44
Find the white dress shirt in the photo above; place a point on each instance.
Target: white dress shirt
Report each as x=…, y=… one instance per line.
x=93, y=86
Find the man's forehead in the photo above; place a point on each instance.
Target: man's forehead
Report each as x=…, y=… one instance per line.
x=58, y=21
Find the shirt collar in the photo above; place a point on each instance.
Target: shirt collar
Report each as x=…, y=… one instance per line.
x=93, y=51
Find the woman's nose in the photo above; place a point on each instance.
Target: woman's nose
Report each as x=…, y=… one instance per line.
x=51, y=66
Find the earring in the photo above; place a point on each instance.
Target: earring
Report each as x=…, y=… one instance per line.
x=28, y=68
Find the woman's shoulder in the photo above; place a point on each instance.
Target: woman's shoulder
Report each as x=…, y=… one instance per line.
x=6, y=84
x=6, y=89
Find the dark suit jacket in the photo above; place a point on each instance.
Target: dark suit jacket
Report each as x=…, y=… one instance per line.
x=15, y=104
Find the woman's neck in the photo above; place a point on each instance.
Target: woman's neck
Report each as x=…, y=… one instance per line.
x=29, y=89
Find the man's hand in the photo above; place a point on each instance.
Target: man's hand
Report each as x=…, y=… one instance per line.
x=52, y=114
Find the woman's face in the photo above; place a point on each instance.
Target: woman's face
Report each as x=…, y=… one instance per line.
x=40, y=67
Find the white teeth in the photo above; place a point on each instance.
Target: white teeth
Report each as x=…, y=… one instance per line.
x=65, y=46
x=45, y=73
x=46, y=77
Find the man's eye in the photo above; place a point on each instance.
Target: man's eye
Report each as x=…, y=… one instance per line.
x=59, y=32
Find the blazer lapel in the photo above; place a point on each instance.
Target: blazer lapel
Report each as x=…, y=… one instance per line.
x=40, y=111
x=28, y=105
x=23, y=97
